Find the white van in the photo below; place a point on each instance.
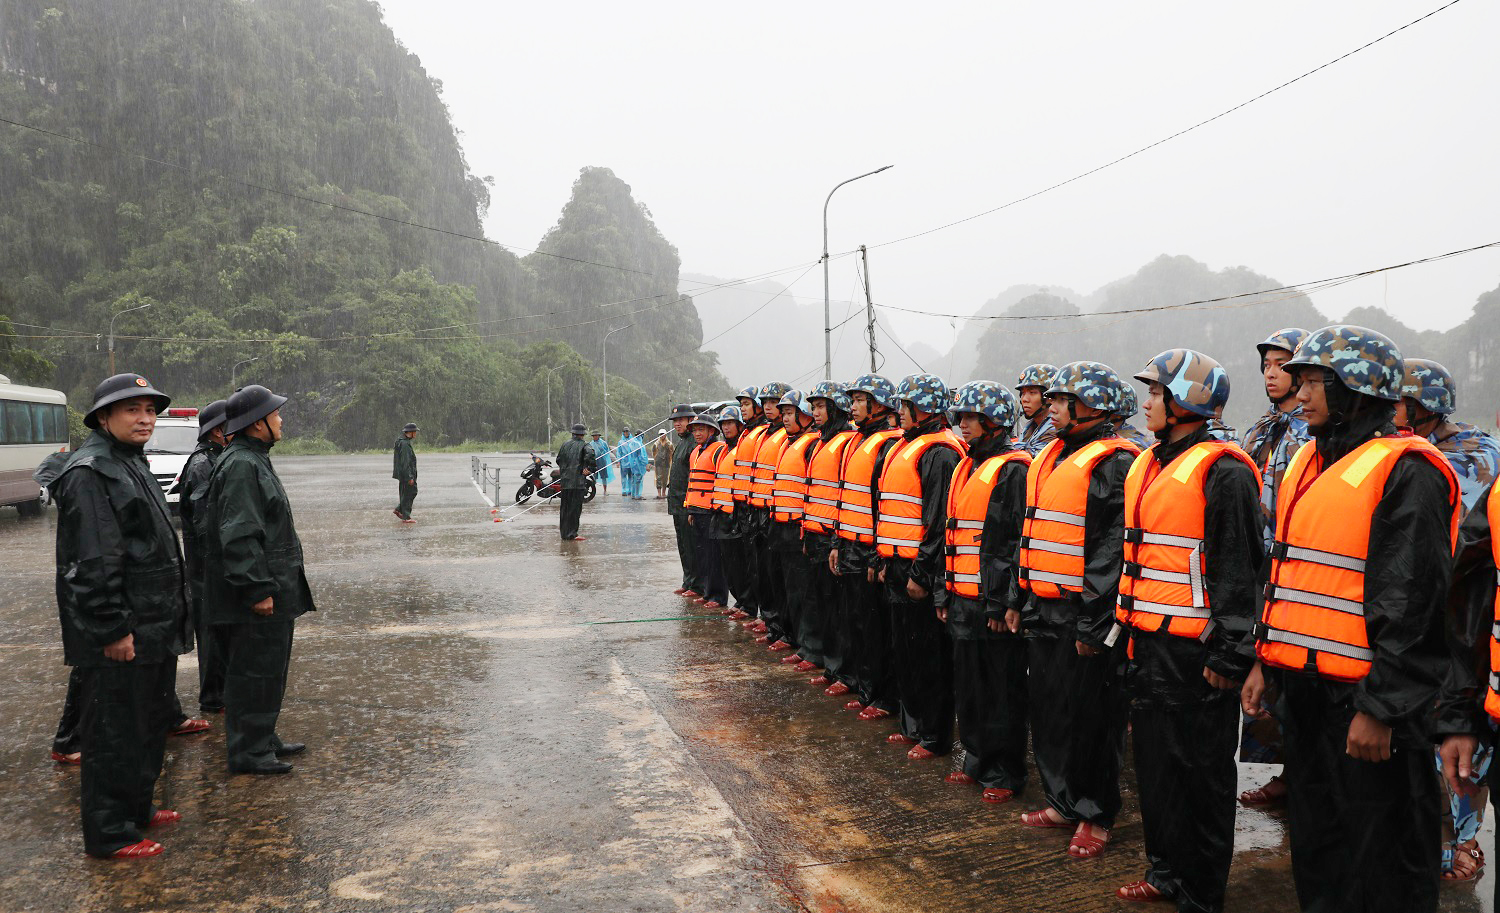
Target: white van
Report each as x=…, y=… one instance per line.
x=173, y=441
x=33, y=425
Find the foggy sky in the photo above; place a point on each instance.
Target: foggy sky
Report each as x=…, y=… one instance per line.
x=732, y=123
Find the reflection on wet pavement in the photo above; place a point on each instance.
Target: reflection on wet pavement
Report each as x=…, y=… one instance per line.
x=478, y=745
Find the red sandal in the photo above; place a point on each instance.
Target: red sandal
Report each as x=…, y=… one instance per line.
x=75, y=757
x=138, y=850
x=1085, y=843
x=1042, y=818
x=997, y=795
x=918, y=753
x=855, y=705
x=897, y=738
x=836, y=689
x=959, y=778
x=1140, y=892
x=191, y=727
x=874, y=713
x=1263, y=796
x=164, y=816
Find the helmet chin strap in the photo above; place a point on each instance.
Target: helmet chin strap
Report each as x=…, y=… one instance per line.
x=1074, y=425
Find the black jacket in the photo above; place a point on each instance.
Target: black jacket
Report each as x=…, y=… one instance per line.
x=999, y=548
x=677, y=481
x=119, y=570
x=191, y=483
x=787, y=537
x=576, y=461
x=1089, y=616
x=857, y=557
x=251, y=549
x=935, y=471
x=405, y=468
x=1168, y=670
x=816, y=546
x=1471, y=616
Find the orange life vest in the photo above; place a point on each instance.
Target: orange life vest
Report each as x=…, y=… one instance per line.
x=1492, y=692
x=1057, y=497
x=856, y=507
x=744, y=462
x=1314, y=616
x=898, y=525
x=702, y=469
x=791, y=479
x=723, y=496
x=1162, y=583
x=767, y=458
x=824, y=481
x=968, y=505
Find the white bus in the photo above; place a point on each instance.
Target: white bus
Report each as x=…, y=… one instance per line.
x=33, y=425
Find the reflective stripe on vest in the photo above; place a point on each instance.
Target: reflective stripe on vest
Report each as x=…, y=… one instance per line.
x=856, y=512
x=702, y=469
x=898, y=526
x=1492, y=693
x=744, y=462
x=766, y=458
x=968, y=504
x=1161, y=583
x=791, y=479
x=723, y=497
x=1314, y=615
x=824, y=483
x=1057, y=497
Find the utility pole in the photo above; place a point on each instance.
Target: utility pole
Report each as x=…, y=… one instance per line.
x=827, y=310
x=234, y=371
x=112, y=333
x=864, y=256
x=605, y=359
x=549, y=401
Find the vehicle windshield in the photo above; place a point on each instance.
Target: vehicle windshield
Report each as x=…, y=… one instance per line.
x=173, y=439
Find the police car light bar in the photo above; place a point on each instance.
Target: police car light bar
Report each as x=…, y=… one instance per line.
x=182, y=413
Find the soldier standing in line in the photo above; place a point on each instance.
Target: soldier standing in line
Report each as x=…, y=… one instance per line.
x=1129, y=405
x=575, y=463
x=194, y=482
x=770, y=587
x=254, y=584
x=677, y=486
x=823, y=649
x=405, y=472
x=123, y=607
x=1036, y=429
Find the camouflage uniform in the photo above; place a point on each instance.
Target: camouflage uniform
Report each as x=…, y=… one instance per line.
x=1034, y=434
x=1274, y=459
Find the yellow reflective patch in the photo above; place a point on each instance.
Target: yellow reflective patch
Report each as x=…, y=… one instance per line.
x=1190, y=462
x=1367, y=461
x=1088, y=454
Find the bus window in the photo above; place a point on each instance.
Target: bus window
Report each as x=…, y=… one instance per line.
x=45, y=425
x=18, y=423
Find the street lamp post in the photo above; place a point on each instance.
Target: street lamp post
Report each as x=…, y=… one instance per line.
x=605, y=365
x=549, y=400
x=234, y=371
x=827, y=316
x=112, y=332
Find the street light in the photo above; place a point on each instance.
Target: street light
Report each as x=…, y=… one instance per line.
x=605, y=360
x=549, y=401
x=235, y=370
x=827, y=316
x=112, y=332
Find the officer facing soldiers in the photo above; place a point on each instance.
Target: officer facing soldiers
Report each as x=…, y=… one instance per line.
x=123, y=608
x=1187, y=597
x=193, y=481
x=1353, y=629
x=254, y=585
x=1036, y=430
x=677, y=486
x=575, y=464
x=405, y=472
x=1070, y=564
x=986, y=502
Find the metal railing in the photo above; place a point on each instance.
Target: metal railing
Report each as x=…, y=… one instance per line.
x=487, y=478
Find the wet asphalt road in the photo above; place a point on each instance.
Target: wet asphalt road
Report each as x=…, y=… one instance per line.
x=479, y=742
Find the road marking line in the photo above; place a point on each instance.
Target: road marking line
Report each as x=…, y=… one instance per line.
x=481, y=493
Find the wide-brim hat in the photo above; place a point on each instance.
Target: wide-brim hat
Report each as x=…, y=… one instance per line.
x=682, y=410
x=705, y=419
x=212, y=416
x=580, y=429
x=410, y=426
x=122, y=387
x=249, y=405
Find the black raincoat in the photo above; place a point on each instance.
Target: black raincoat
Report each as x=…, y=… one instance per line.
x=252, y=552
x=1185, y=730
x=737, y=556
x=923, y=650
x=821, y=617
x=404, y=471
x=119, y=572
x=677, y=483
x=784, y=540
x=192, y=483
x=866, y=611
x=575, y=462
x=1366, y=836
x=1079, y=706
x=989, y=667
x=709, y=571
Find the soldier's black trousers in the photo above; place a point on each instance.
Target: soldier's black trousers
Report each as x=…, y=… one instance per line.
x=1079, y=712
x=739, y=561
x=685, y=552
x=1185, y=776
x=989, y=687
x=254, y=685
x=1365, y=836
x=710, y=570
x=571, y=509
x=794, y=594
x=211, y=660
x=69, y=729
x=408, y=493
x=923, y=657
x=819, y=609
x=124, y=717
x=772, y=590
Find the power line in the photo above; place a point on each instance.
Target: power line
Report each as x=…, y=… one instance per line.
x=901, y=347
x=1202, y=123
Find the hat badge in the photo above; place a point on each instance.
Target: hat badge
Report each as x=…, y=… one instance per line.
x=141, y=382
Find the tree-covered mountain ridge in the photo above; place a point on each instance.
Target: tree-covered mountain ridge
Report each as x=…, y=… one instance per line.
x=258, y=174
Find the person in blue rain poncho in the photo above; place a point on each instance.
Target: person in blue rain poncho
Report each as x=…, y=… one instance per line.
x=604, y=459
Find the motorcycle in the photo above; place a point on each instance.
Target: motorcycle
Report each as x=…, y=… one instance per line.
x=532, y=483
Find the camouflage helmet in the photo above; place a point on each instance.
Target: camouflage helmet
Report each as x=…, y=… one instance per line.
x=833, y=391
x=1094, y=384
x=705, y=419
x=926, y=393
x=751, y=392
x=1196, y=382
x=1126, y=402
x=1430, y=384
x=732, y=414
x=1363, y=360
x=1286, y=339
x=796, y=400
x=989, y=399
x=775, y=390
x=876, y=387
x=1038, y=375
